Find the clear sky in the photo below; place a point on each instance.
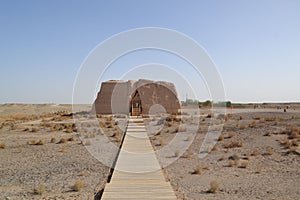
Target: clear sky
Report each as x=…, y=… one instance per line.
x=254, y=43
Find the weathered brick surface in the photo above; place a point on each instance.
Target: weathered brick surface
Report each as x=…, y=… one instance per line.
x=115, y=96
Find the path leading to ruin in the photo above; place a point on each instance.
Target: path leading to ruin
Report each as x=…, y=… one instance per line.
x=137, y=174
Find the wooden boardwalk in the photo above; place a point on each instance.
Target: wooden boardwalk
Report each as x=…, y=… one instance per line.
x=137, y=173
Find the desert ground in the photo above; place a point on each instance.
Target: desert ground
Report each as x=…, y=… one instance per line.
x=44, y=154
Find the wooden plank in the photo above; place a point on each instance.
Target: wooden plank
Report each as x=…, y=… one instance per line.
x=137, y=173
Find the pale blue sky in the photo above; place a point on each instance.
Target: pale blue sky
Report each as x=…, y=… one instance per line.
x=255, y=44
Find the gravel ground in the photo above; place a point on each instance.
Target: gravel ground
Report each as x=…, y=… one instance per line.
x=264, y=164
x=271, y=172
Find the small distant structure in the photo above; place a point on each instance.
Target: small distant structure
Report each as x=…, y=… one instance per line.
x=136, y=97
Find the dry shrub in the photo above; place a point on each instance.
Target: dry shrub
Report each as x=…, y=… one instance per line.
x=214, y=186
x=84, y=173
x=257, y=117
x=53, y=140
x=175, y=130
x=34, y=130
x=78, y=185
x=210, y=115
x=244, y=164
x=118, y=137
x=295, y=143
x=255, y=152
x=197, y=170
x=268, y=134
x=39, y=190
x=158, y=133
x=294, y=135
x=62, y=141
x=160, y=143
x=40, y=142
x=285, y=142
x=102, y=124
x=269, y=151
x=71, y=139
x=242, y=126
x=2, y=145
x=247, y=156
x=69, y=130
x=253, y=124
x=26, y=129
x=230, y=163
x=262, y=120
x=233, y=144
x=169, y=124
x=221, y=137
x=109, y=124
x=34, y=142
x=215, y=148
x=292, y=149
x=222, y=158
x=230, y=135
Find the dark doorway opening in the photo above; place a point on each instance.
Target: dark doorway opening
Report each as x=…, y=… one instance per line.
x=136, y=105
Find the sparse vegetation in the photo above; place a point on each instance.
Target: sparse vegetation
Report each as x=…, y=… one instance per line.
x=214, y=186
x=244, y=164
x=253, y=124
x=39, y=190
x=233, y=144
x=78, y=185
x=221, y=137
x=2, y=145
x=230, y=163
x=255, y=152
x=62, y=141
x=53, y=140
x=197, y=170
x=230, y=135
x=269, y=151
x=35, y=142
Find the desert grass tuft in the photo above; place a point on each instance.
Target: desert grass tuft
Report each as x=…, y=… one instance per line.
x=62, y=141
x=197, y=170
x=230, y=163
x=230, y=135
x=269, y=151
x=214, y=187
x=233, y=144
x=39, y=190
x=255, y=152
x=244, y=164
x=221, y=137
x=78, y=185
x=2, y=145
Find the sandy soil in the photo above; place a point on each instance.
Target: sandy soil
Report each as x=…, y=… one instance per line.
x=43, y=154
x=265, y=164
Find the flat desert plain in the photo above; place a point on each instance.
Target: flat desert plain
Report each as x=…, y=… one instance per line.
x=256, y=156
